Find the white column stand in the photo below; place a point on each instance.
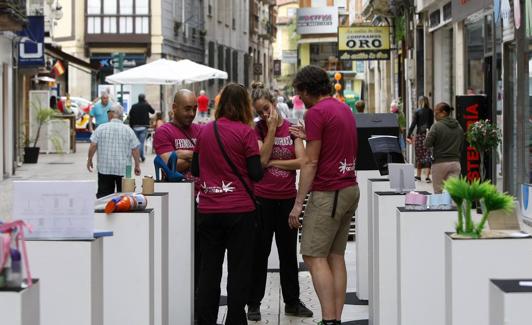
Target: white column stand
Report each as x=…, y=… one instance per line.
x=510, y=302
x=20, y=306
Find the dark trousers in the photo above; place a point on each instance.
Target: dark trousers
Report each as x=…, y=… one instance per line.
x=219, y=232
x=107, y=184
x=274, y=219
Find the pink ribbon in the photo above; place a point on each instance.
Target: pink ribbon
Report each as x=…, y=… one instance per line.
x=18, y=227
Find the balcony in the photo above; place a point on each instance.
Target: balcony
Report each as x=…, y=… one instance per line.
x=117, y=29
x=12, y=15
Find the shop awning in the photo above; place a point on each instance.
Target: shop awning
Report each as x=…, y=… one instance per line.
x=58, y=54
x=318, y=40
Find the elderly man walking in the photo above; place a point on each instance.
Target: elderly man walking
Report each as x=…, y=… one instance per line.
x=115, y=143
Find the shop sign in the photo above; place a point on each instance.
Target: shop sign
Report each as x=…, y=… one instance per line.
x=129, y=61
x=364, y=43
x=289, y=57
x=31, y=44
x=322, y=20
x=470, y=109
x=464, y=8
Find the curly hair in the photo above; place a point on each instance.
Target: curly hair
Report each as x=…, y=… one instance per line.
x=235, y=104
x=259, y=92
x=314, y=80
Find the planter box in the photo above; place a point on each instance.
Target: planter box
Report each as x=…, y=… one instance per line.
x=180, y=251
x=365, y=184
x=470, y=264
x=421, y=265
x=71, y=276
x=128, y=267
x=20, y=306
x=510, y=302
x=159, y=203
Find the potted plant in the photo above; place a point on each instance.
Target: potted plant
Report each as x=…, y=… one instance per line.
x=42, y=115
x=464, y=194
x=484, y=136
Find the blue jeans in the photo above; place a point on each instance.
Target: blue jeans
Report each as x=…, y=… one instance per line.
x=141, y=132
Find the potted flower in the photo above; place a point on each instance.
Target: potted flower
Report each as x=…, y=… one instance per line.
x=464, y=194
x=484, y=136
x=42, y=115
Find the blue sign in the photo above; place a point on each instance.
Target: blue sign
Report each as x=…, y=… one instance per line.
x=31, y=44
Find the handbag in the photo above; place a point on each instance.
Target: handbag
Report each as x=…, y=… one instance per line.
x=234, y=169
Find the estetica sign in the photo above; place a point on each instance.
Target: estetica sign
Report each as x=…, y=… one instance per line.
x=317, y=20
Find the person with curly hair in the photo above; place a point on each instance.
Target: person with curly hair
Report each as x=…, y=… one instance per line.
x=328, y=170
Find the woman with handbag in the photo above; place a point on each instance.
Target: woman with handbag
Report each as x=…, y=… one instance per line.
x=227, y=161
x=422, y=121
x=281, y=156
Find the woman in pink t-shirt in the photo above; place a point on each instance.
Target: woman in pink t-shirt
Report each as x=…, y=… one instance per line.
x=280, y=155
x=227, y=211
x=299, y=107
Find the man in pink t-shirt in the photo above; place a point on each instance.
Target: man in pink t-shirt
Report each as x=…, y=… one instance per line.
x=329, y=172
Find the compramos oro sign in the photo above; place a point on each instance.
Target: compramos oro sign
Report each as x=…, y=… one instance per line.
x=363, y=43
x=322, y=20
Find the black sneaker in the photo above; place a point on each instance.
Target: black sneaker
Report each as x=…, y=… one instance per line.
x=254, y=313
x=417, y=178
x=428, y=180
x=297, y=309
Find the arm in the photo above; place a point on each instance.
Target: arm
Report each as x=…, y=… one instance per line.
x=150, y=109
x=184, y=159
x=254, y=167
x=92, y=150
x=431, y=137
x=308, y=172
x=136, y=157
x=412, y=125
x=292, y=164
x=267, y=147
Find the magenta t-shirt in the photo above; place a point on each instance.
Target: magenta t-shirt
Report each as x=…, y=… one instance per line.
x=220, y=189
x=169, y=137
x=277, y=183
x=333, y=123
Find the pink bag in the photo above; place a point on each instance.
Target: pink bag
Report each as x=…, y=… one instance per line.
x=14, y=230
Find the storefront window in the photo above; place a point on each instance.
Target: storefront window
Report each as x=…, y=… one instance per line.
x=325, y=55
x=475, y=56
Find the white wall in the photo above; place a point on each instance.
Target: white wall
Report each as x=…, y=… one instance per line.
x=6, y=117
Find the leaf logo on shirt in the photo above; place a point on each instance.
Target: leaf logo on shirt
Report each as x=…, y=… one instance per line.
x=227, y=187
x=346, y=167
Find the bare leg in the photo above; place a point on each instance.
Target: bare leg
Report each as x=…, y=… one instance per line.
x=337, y=265
x=419, y=169
x=322, y=278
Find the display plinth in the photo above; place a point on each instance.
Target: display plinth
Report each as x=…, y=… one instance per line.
x=361, y=230
x=181, y=250
x=71, y=277
x=421, y=265
x=159, y=203
x=383, y=257
x=469, y=266
x=20, y=306
x=510, y=302
x=128, y=267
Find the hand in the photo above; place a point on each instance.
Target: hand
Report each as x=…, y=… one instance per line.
x=293, y=218
x=137, y=170
x=298, y=131
x=409, y=140
x=273, y=119
x=89, y=165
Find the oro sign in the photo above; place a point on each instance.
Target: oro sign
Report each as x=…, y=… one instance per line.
x=364, y=43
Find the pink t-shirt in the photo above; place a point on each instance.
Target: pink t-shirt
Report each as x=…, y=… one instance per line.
x=277, y=183
x=169, y=137
x=220, y=189
x=298, y=103
x=333, y=123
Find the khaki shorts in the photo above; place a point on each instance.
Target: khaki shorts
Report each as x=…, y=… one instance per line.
x=326, y=227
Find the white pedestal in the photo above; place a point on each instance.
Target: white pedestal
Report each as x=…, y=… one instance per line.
x=128, y=267
x=470, y=264
x=159, y=203
x=510, y=302
x=421, y=265
x=71, y=277
x=362, y=231
x=181, y=251
x=383, y=257
x=20, y=306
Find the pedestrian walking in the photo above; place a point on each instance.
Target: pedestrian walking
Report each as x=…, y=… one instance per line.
x=139, y=120
x=99, y=111
x=282, y=108
x=281, y=155
x=203, y=106
x=446, y=138
x=115, y=143
x=421, y=122
x=299, y=107
x=329, y=171
x=227, y=161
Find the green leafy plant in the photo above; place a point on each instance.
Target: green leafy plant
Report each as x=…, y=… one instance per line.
x=42, y=115
x=464, y=194
x=484, y=136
